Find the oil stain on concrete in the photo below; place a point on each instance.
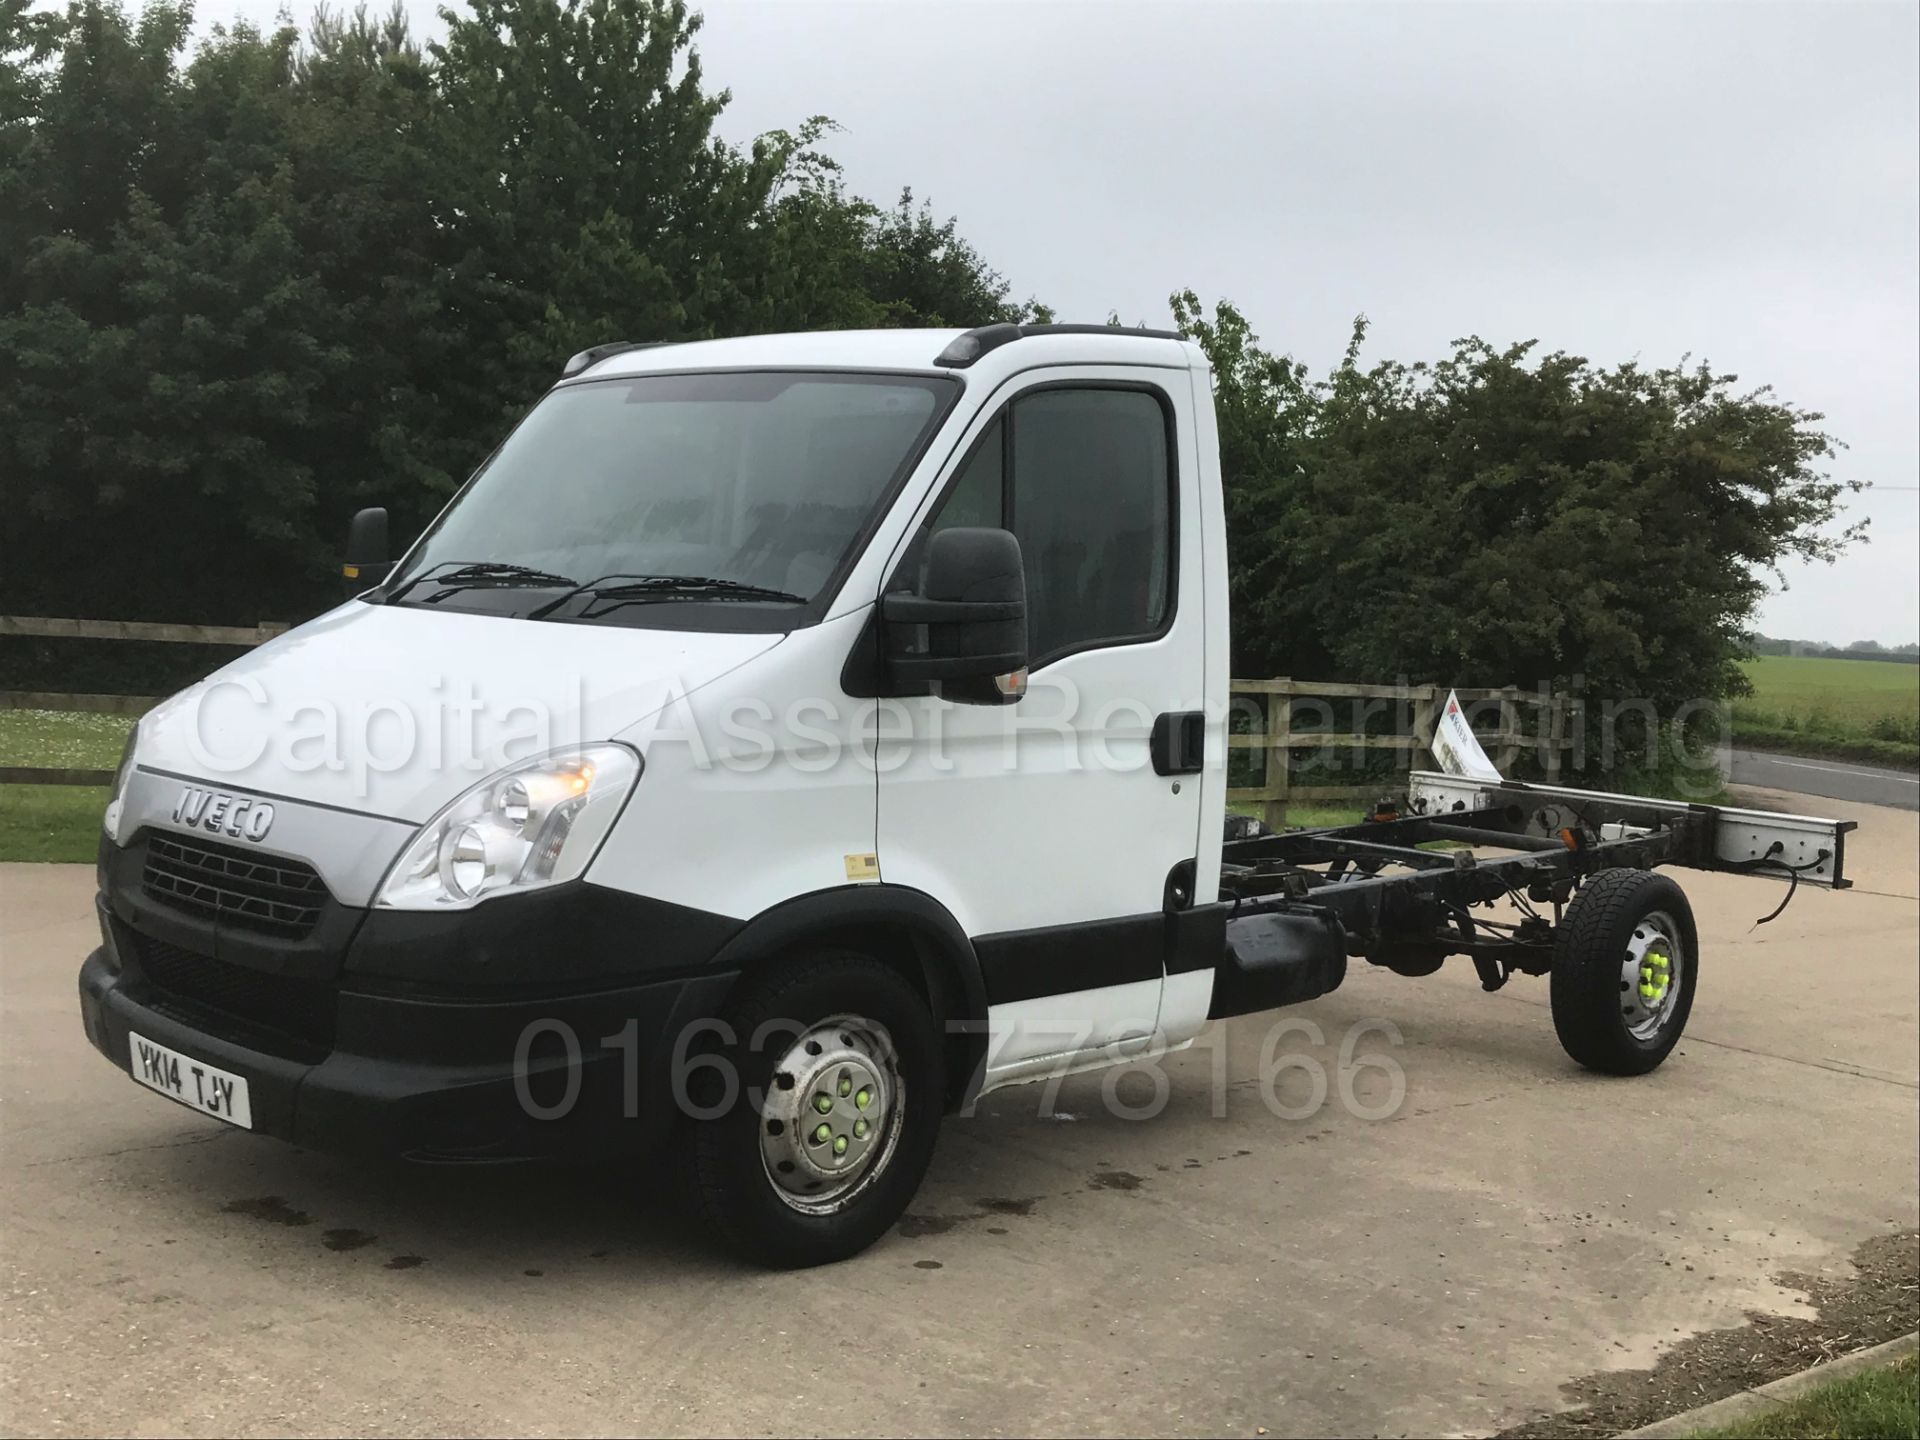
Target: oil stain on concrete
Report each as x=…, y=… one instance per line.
x=273, y=1209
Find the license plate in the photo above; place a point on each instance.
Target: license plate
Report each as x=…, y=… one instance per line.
x=194, y=1083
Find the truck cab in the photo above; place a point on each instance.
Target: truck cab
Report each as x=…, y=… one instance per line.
x=776, y=743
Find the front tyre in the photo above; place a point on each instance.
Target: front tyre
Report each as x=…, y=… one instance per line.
x=831, y=1131
x=1626, y=961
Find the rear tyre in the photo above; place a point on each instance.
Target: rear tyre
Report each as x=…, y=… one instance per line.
x=1626, y=961
x=832, y=1125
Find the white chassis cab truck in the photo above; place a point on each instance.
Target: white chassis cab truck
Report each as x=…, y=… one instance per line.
x=779, y=742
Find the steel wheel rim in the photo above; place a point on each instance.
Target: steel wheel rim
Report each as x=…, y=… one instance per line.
x=832, y=1116
x=1651, y=973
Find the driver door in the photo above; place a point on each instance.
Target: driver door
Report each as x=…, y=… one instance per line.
x=1044, y=825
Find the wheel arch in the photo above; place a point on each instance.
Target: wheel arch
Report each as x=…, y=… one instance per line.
x=901, y=927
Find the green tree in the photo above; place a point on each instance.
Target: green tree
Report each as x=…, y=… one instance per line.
x=247, y=289
x=209, y=333
x=87, y=131
x=1264, y=406
x=360, y=140
x=1502, y=516
x=585, y=195
x=28, y=40
x=921, y=271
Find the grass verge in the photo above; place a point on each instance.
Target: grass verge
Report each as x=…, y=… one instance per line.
x=1873, y=1303
x=1303, y=817
x=1879, y=1403
x=56, y=822
x=1891, y=753
x=50, y=822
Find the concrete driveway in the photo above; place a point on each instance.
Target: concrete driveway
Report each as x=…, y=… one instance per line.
x=1512, y=1224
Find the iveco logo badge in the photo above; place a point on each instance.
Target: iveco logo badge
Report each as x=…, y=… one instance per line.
x=223, y=814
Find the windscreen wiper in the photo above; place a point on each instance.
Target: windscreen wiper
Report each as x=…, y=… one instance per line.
x=475, y=573
x=642, y=589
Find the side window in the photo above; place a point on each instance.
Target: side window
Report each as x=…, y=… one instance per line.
x=1090, y=507
x=1090, y=504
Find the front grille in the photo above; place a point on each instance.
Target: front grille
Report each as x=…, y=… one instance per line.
x=302, y=1009
x=262, y=893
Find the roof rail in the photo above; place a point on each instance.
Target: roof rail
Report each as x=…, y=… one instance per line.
x=594, y=354
x=967, y=348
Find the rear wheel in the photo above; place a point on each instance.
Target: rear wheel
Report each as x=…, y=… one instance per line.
x=832, y=1127
x=1625, y=964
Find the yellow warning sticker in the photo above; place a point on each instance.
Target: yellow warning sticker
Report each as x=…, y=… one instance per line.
x=863, y=867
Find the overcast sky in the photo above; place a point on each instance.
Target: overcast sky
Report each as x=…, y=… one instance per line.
x=1736, y=181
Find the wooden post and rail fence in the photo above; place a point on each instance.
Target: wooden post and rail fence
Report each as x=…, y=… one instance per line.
x=1272, y=702
x=129, y=705
x=1277, y=702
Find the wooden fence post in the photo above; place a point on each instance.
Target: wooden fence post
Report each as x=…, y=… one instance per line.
x=1426, y=720
x=1279, y=772
x=1509, y=749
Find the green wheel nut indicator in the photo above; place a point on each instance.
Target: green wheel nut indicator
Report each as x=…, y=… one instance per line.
x=820, y=1133
x=864, y=1098
x=839, y=1144
x=823, y=1102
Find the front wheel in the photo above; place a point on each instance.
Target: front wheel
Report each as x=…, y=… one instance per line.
x=833, y=1123
x=1625, y=964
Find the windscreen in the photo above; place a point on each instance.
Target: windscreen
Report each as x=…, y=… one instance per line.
x=758, y=480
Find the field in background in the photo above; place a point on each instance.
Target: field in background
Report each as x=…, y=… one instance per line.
x=1865, y=710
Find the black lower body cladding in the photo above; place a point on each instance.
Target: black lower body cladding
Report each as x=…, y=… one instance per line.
x=569, y=933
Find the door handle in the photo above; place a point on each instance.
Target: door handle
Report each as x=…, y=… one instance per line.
x=1179, y=742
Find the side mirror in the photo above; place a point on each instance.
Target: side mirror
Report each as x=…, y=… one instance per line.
x=973, y=603
x=367, y=561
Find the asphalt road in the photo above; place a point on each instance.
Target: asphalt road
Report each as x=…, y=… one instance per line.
x=1338, y=1265
x=1829, y=779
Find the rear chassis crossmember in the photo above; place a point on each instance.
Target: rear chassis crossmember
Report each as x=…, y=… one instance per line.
x=1304, y=900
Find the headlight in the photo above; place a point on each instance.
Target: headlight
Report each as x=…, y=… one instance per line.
x=534, y=824
x=117, y=795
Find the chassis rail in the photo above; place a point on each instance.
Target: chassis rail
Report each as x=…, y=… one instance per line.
x=1370, y=890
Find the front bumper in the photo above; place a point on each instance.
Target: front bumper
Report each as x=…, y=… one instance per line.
x=535, y=1026
x=436, y=1079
